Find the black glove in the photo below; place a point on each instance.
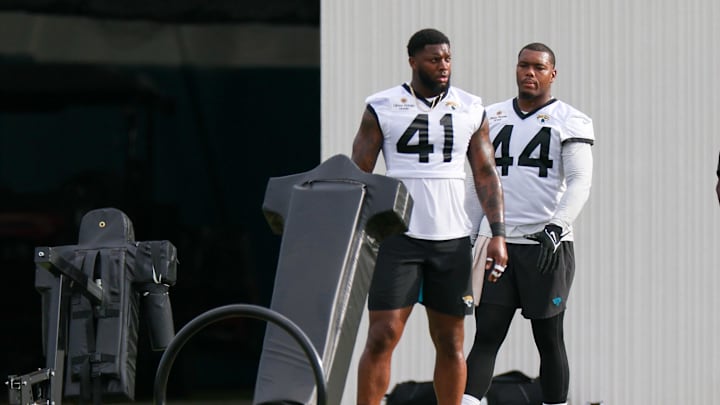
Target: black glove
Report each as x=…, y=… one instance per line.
x=549, y=239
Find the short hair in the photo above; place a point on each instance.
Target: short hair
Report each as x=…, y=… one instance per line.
x=539, y=47
x=427, y=36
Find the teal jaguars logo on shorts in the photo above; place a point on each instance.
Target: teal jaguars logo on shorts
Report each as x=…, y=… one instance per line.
x=557, y=301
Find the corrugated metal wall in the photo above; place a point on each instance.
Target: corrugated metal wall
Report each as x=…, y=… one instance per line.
x=643, y=319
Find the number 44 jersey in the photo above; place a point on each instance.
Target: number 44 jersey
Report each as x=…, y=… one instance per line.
x=528, y=147
x=425, y=145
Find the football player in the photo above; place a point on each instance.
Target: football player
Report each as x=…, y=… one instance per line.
x=543, y=156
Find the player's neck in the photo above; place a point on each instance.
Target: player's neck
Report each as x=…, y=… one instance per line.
x=421, y=91
x=528, y=104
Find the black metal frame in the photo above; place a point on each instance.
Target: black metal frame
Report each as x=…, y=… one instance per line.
x=47, y=383
x=234, y=311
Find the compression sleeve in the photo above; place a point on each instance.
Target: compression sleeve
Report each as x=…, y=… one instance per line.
x=578, y=163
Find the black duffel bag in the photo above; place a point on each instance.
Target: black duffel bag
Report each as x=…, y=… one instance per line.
x=514, y=388
x=412, y=393
x=510, y=388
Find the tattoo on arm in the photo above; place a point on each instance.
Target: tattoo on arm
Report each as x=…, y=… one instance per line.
x=481, y=155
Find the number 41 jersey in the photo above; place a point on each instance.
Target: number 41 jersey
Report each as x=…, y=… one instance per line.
x=425, y=145
x=528, y=147
x=422, y=139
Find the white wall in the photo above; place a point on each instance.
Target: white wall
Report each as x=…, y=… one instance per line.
x=642, y=320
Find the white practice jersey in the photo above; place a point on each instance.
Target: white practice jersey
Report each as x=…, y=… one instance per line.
x=425, y=146
x=528, y=149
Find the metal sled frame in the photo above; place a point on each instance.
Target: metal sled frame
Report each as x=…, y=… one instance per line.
x=47, y=383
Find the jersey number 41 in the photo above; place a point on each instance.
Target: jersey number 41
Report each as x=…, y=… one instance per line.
x=423, y=147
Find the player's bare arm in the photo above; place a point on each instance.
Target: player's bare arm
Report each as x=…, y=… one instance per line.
x=481, y=156
x=368, y=142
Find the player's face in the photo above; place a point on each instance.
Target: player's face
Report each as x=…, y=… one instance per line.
x=433, y=67
x=535, y=74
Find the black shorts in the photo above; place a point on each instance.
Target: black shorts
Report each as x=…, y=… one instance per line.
x=522, y=286
x=433, y=273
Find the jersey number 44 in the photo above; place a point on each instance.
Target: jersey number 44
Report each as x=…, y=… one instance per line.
x=541, y=140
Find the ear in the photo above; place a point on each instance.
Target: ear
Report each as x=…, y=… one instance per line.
x=553, y=75
x=412, y=62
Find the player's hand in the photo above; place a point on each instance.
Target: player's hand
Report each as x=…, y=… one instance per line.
x=497, y=258
x=549, y=239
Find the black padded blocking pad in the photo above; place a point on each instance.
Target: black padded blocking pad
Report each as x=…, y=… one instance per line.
x=113, y=346
x=98, y=326
x=332, y=219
